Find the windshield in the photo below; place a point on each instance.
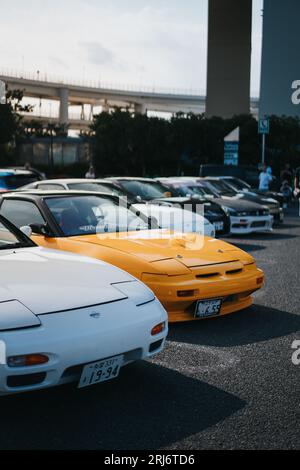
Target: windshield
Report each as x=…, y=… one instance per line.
x=181, y=190
x=205, y=191
x=11, y=240
x=146, y=190
x=88, y=215
x=238, y=184
x=221, y=187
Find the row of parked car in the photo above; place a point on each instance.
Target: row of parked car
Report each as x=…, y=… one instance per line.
x=227, y=204
x=94, y=270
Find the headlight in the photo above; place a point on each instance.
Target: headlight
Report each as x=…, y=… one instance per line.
x=136, y=291
x=14, y=316
x=273, y=201
x=266, y=210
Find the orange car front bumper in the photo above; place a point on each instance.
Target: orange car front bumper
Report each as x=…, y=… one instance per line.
x=180, y=294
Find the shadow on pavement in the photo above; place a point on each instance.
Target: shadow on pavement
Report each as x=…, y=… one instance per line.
x=264, y=237
x=247, y=247
x=256, y=324
x=287, y=226
x=148, y=407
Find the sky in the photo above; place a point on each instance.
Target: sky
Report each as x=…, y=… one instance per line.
x=156, y=43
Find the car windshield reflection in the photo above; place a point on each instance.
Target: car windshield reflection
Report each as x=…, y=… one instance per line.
x=89, y=215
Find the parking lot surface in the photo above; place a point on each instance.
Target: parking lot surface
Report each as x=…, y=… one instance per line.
x=220, y=384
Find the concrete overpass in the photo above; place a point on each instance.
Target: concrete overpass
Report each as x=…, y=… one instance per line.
x=228, y=72
x=68, y=94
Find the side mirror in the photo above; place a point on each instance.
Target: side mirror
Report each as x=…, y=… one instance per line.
x=27, y=230
x=139, y=199
x=40, y=229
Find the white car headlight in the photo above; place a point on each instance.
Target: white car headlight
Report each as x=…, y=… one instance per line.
x=14, y=316
x=136, y=291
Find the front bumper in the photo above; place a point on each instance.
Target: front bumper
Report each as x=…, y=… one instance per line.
x=73, y=339
x=220, y=223
x=232, y=282
x=278, y=216
x=252, y=224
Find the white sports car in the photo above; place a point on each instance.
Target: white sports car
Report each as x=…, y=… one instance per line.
x=175, y=218
x=66, y=318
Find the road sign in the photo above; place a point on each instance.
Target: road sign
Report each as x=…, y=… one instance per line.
x=2, y=93
x=231, y=148
x=264, y=126
x=231, y=153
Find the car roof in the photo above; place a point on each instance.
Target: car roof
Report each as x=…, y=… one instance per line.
x=36, y=194
x=132, y=178
x=73, y=180
x=14, y=172
x=180, y=179
x=214, y=178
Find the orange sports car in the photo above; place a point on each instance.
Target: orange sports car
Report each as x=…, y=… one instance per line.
x=194, y=277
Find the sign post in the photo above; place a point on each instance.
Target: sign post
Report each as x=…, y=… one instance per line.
x=231, y=148
x=264, y=129
x=2, y=93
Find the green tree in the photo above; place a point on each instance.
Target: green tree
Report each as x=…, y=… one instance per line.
x=11, y=122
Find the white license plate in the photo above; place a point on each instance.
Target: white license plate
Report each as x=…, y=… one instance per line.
x=101, y=371
x=219, y=226
x=208, y=308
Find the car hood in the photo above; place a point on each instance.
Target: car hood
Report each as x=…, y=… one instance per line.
x=238, y=204
x=153, y=246
x=262, y=200
x=50, y=281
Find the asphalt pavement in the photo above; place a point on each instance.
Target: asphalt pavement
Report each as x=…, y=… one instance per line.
x=226, y=383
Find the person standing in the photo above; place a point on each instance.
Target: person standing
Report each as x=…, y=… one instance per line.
x=265, y=179
x=297, y=183
x=91, y=175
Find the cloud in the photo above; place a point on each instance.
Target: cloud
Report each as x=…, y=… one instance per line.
x=138, y=42
x=97, y=54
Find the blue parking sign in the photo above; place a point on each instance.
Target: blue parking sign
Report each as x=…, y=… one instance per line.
x=264, y=126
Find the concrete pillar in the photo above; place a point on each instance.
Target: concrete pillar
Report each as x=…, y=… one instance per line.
x=229, y=57
x=82, y=114
x=140, y=108
x=91, y=115
x=105, y=107
x=64, y=106
x=2, y=92
x=280, y=74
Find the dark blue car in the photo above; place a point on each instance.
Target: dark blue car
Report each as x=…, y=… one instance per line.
x=11, y=179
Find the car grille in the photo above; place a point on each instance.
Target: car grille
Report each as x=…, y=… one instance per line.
x=257, y=213
x=258, y=224
x=232, y=268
